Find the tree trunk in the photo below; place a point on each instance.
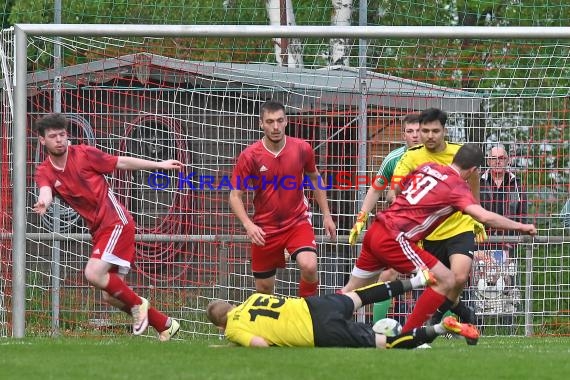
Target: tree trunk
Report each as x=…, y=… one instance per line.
x=288, y=52
x=339, y=47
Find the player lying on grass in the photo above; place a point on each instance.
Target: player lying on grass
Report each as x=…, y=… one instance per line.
x=324, y=321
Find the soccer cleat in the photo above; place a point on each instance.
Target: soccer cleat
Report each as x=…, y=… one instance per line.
x=427, y=278
x=140, y=317
x=169, y=333
x=471, y=341
x=466, y=330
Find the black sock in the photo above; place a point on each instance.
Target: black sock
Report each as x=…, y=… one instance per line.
x=442, y=309
x=463, y=312
x=380, y=291
x=412, y=339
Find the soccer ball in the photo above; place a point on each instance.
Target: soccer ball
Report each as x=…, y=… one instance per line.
x=387, y=327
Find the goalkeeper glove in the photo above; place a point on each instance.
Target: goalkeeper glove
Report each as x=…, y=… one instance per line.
x=480, y=233
x=361, y=219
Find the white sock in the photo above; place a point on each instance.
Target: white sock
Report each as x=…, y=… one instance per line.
x=417, y=281
x=439, y=329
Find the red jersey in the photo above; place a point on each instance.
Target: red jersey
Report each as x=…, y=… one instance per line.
x=277, y=180
x=83, y=187
x=431, y=193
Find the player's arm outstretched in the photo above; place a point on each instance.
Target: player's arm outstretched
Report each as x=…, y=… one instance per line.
x=133, y=163
x=494, y=220
x=45, y=198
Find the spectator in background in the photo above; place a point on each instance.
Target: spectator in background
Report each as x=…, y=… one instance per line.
x=500, y=189
x=501, y=192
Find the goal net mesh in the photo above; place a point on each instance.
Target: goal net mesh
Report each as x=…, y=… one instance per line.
x=197, y=100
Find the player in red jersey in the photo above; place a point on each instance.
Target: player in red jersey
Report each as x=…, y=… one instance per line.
x=277, y=168
x=432, y=193
x=76, y=175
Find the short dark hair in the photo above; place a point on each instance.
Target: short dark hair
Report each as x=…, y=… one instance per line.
x=432, y=114
x=271, y=106
x=411, y=118
x=51, y=121
x=469, y=155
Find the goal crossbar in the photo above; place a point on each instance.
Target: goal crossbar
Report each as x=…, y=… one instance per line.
x=300, y=31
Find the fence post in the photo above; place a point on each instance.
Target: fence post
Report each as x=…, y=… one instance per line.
x=55, y=271
x=528, y=292
x=223, y=271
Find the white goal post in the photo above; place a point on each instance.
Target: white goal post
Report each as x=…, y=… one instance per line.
x=23, y=32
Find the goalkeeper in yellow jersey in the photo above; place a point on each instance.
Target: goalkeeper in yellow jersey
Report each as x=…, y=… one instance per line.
x=453, y=242
x=325, y=321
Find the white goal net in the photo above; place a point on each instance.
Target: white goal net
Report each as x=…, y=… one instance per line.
x=159, y=97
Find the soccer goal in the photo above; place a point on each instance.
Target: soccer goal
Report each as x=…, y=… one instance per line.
x=193, y=93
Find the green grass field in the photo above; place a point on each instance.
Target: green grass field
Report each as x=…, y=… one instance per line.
x=140, y=358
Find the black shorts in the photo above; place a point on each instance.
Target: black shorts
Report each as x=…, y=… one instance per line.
x=333, y=325
x=463, y=243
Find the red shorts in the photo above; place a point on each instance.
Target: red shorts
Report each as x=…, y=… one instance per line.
x=298, y=238
x=115, y=245
x=382, y=248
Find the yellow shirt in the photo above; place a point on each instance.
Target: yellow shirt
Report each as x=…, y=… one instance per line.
x=458, y=222
x=281, y=321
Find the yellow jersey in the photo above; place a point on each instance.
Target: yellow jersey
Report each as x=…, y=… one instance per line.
x=456, y=223
x=281, y=321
